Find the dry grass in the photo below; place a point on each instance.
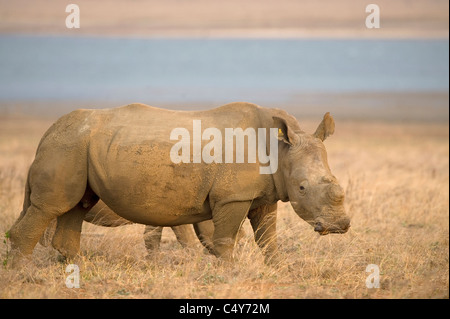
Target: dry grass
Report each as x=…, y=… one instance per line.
x=396, y=178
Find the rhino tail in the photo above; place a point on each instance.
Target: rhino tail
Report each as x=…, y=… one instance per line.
x=26, y=200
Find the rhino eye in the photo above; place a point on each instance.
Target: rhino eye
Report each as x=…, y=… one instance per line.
x=302, y=187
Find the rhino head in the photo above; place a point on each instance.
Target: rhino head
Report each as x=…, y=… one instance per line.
x=313, y=191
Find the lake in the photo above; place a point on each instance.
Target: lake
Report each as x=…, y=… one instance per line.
x=214, y=70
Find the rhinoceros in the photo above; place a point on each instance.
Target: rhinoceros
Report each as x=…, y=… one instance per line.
x=123, y=156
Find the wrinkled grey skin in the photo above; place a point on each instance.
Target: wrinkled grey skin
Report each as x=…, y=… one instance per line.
x=121, y=156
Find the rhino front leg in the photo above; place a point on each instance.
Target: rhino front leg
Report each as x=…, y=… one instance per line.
x=264, y=223
x=228, y=219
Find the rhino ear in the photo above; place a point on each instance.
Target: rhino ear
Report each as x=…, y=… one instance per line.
x=285, y=133
x=325, y=128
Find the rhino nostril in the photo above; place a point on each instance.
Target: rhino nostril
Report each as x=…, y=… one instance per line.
x=318, y=227
x=345, y=224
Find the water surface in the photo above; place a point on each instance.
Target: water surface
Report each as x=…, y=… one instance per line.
x=219, y=70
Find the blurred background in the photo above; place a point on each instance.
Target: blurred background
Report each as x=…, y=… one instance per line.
x=301, y=55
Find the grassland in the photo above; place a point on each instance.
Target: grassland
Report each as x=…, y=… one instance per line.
x=396, y=177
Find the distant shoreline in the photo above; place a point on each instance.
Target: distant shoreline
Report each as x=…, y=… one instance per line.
x=241, y=34
x=427, y=107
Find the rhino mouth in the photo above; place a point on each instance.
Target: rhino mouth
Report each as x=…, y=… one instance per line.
x=330, y=229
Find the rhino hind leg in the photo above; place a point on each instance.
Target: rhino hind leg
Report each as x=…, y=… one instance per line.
x=34, y=223
x=46, y=238
x=152, y=238
x=68, y=232
x=48, y=199
x=186, y=236
x=68, y=228
x=205, y=232
x=26, y=233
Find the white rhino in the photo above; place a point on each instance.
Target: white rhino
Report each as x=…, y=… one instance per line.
x=122, y=156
